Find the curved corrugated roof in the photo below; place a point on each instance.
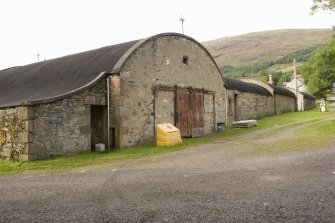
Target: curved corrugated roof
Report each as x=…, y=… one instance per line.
x=235, y=84
x=308, y=96
x=282, y=91
x=52, y=79
x=62, y=77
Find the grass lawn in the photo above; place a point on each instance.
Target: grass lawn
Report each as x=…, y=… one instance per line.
x=89, y=159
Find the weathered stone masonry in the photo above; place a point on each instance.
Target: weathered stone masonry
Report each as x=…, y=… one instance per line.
x=284, y=104
x=58, y=128
x=162, y=62
x=248, y=106
x=15, y=132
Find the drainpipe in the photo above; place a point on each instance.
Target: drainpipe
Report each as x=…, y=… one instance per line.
x=226, y=101
x=108, y=110
x=155, y=111
x=295, y=77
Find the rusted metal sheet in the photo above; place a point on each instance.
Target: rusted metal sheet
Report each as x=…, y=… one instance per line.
x=182, y=113
x=198, y=122
x=198, y=109
x=190, y=113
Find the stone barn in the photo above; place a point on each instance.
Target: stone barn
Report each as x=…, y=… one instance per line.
x=284, y=100
x=114, y=95
x=247, y=100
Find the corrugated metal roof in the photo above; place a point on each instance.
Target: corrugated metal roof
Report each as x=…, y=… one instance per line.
x=308, y=96
x=62, y=77
x=235, y=84
x=282, y=91
x=58, y=77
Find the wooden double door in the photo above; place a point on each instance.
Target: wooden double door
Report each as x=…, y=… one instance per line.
x=189, y=112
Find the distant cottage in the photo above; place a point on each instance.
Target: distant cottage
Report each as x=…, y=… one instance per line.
x=117, y=94
x=300, y=83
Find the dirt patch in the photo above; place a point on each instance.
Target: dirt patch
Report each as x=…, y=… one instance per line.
x=207, y=183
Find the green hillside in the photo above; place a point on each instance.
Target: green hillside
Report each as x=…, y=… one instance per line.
x=262, y=46
x=259, y=54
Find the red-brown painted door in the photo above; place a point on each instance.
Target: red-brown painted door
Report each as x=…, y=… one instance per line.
x=183, y=113
x=198, y=110
x=190, y=113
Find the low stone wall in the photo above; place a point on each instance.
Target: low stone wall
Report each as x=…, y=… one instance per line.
x=209, y=113
x=248, y=106
x=284, y=104
x=309, y=104
x=15, y=133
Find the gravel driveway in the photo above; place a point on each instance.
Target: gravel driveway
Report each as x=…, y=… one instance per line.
x=208, y=183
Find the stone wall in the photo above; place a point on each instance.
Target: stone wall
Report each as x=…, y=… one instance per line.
x=209, y=113
x=308, y=104
x=248, y=106
x=165, y=107
x=51, y=129
x=284, y=104
x=15, y=133
x=167, y=61
x=63, y=127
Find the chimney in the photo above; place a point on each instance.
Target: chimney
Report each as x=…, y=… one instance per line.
x=270, y=79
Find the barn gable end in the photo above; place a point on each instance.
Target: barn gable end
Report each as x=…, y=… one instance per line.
x=162, y=75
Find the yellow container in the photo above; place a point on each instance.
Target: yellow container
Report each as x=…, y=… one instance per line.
x=167, y=135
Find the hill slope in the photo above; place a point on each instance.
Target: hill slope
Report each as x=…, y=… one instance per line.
x=264, y=46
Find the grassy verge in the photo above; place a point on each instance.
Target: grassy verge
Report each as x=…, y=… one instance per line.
x=317, y=135
x=291, y=118
x=90, y=159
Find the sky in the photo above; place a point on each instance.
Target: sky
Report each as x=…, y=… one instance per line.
x=53, y=29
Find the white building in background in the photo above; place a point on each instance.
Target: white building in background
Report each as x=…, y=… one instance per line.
x=300, y=84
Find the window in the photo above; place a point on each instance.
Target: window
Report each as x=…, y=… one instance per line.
x=185, y=60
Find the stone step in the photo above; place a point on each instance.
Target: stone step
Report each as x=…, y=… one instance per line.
x=244, y=124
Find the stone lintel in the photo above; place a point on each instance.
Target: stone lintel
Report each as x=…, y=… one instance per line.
x=95, y=100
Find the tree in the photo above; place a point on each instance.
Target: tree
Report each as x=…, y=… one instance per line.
x=328, y=5
x=319, y=71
